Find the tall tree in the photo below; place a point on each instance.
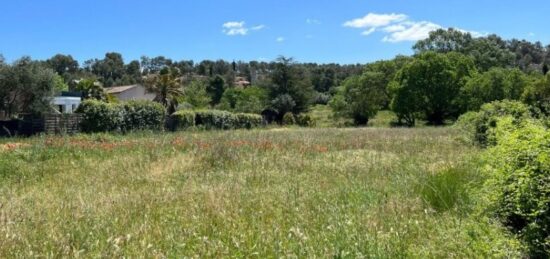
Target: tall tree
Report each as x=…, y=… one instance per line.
x=167, y=88
x=360, y=97
x=432, y=82
x=290, y=89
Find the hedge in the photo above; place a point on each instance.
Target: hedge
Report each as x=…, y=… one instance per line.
x=143, y=115
x=181, y=120
x=130, y=116
x=519, y=170
x=479, y=126
x=214, y=119
x=100, y=116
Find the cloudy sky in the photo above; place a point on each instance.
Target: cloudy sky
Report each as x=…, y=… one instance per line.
x=343, y=31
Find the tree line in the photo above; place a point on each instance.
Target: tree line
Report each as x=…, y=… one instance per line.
x=450, y=72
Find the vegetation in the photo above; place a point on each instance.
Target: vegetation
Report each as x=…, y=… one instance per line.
x=126, y=117
x=264, y=193
x=520, y=183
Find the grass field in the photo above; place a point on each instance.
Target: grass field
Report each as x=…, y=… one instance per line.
x=345, y=193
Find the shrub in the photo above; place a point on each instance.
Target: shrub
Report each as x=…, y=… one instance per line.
x=288, y=119
x=248, y=121
x=520, y=181
x=479, y=126
x=445, y=190
x=181, y=120
x=136, y=115
x=143, y=115
x=305, y=120
x=100, y=116
x=214, y=119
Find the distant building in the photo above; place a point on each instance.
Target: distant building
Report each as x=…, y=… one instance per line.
x=241, y=82
x=67, y=102
x=130, y=92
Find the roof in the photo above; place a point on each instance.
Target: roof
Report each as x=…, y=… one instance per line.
x=119, y=89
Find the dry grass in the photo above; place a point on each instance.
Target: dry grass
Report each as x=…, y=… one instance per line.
x=263, y=193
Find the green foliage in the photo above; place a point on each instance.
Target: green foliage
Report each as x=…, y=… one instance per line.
x=249, y=100
x=182, y=120
x=130, y=116
x=167, y=89
x=520, y=184
x=91, y=89
x=360, y=97
x=479, y=126
x=305, y=120
x=196, y=95
x=495, y=84
x=538, y=95
x=100, y=116
x=289, y=119
x=215, y=119
x=215, y=89
x=447, y=189
x=290, y=89
x=430, y=85
x=143, y=115
x=248, y=121
x=26, y=86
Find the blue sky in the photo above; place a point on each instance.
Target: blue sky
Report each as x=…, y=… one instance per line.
x=343, y=31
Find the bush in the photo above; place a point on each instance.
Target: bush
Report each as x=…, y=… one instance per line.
x=135, y=115
x=143, y=115
x=479, y=126
x=248, y=121
x=214, y=119
x=100, y=116
x=520, y=181
x=305, y=120
x=288, y=119
x=181, y=120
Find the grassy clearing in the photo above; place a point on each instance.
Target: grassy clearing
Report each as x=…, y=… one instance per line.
x=262, y=193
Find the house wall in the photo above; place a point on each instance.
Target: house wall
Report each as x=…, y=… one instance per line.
x=135, y=93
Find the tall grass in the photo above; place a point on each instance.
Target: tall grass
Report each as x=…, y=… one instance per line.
x=261, y=193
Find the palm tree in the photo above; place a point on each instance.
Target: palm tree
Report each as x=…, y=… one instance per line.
x=167, y=88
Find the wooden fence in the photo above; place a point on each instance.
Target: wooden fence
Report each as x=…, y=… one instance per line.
x=50, y=124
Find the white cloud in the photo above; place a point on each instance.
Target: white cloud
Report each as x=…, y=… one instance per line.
x=280, y=39
x=398, y=27
x=531, y=34
x=412, y=32
x=313, y=21
x=257, y=28
x=238, y=28
x=373, y=20
x=368, y=32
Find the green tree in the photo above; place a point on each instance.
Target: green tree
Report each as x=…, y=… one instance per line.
x=387, y=70
x=249, y=100
x=495, y=84
x=537, y=94
x=432, y=81
x=215, y=89
x=167, y=88
x=290, y=89
x=26, y=86
x=360, y=97
x=91, y=89
x=196, y=94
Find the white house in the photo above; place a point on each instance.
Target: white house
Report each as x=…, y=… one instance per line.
x=66, y=104
x=130, y=92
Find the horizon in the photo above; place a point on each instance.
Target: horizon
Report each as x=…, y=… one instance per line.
x=344, y=32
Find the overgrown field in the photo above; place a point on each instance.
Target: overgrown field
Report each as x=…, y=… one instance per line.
x=385, y=193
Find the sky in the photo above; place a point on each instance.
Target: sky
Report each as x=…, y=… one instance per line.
x=323, y=31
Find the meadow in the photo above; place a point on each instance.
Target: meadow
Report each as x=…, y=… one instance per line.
x=265, y=193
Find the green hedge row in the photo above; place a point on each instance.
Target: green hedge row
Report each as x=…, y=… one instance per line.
x=129, y=116
x=214, y=119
